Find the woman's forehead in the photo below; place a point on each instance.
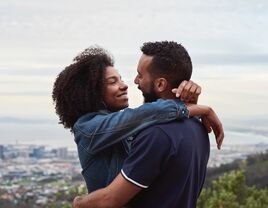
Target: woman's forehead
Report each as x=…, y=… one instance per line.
x=111, y=72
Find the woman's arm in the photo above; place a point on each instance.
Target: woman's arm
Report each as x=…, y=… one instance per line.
x=106, y=129
x=209, y=119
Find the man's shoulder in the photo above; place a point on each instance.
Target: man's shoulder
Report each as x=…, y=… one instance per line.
x=155, y=135
x=175, y=124
x=174, y=131
x=155, y=129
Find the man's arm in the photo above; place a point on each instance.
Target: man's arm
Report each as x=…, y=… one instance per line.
x=139, y=171
x=116, y=195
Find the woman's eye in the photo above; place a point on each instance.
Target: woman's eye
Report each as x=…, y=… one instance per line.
x=112, y=82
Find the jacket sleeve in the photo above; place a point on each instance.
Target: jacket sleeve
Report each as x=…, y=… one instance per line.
x=104, y=130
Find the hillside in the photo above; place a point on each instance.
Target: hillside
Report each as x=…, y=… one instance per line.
x=255, y=168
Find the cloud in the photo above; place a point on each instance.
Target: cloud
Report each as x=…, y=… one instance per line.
x=231, y=59
x=37, y=93
x=26, y=121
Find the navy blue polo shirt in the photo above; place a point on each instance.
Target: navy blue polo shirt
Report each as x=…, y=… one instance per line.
x=169, y=162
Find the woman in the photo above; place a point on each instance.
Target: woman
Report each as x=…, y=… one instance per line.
x=88, y=97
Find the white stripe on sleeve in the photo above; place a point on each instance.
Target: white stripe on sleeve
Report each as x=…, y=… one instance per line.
x=132, y=181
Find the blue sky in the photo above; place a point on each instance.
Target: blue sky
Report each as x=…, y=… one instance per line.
x=227, y=41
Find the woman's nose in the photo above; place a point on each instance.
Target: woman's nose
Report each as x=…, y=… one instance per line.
x=124, y=86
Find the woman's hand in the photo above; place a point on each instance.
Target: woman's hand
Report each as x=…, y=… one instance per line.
x=212, y=122
x=209, y=119
x=188, y=91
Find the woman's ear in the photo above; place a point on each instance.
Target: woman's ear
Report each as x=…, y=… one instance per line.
x=160, y=84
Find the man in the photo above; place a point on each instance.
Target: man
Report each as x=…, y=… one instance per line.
x=167, y=163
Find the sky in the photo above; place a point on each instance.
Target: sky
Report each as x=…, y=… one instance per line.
x=227, y=41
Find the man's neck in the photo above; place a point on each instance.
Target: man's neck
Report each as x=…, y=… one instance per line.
x=167, y=95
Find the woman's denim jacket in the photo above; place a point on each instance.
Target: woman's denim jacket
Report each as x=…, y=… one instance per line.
x=103, y=138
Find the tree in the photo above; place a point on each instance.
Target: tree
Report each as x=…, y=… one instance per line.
x=231, y=191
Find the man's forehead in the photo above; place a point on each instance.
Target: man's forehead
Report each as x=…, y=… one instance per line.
x=146, y=58
x=144, y=62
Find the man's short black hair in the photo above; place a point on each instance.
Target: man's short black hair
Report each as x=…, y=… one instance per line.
x=170, y=60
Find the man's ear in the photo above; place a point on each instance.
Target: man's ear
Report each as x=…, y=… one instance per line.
x=160, y=84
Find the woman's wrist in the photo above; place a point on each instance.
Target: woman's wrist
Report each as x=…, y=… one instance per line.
x=198, y=110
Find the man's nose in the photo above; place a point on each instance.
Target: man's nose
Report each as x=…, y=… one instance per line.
x=136, y=80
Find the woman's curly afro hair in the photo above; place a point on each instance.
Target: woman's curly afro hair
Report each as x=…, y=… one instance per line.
x=78, y=89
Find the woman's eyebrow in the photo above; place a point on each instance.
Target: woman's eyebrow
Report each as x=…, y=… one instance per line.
x=111, y=78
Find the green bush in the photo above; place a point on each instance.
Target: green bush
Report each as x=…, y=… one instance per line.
x=231, y=191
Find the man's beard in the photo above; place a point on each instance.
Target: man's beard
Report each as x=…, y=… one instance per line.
x=151, y=96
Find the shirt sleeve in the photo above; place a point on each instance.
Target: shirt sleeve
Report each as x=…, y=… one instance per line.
x=106, y=130
x=149, y=153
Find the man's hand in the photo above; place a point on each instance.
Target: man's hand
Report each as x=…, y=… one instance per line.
x=212, y=122
x=117, y=194
x=188, y=91
x=77, y=202
x=86, y=202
